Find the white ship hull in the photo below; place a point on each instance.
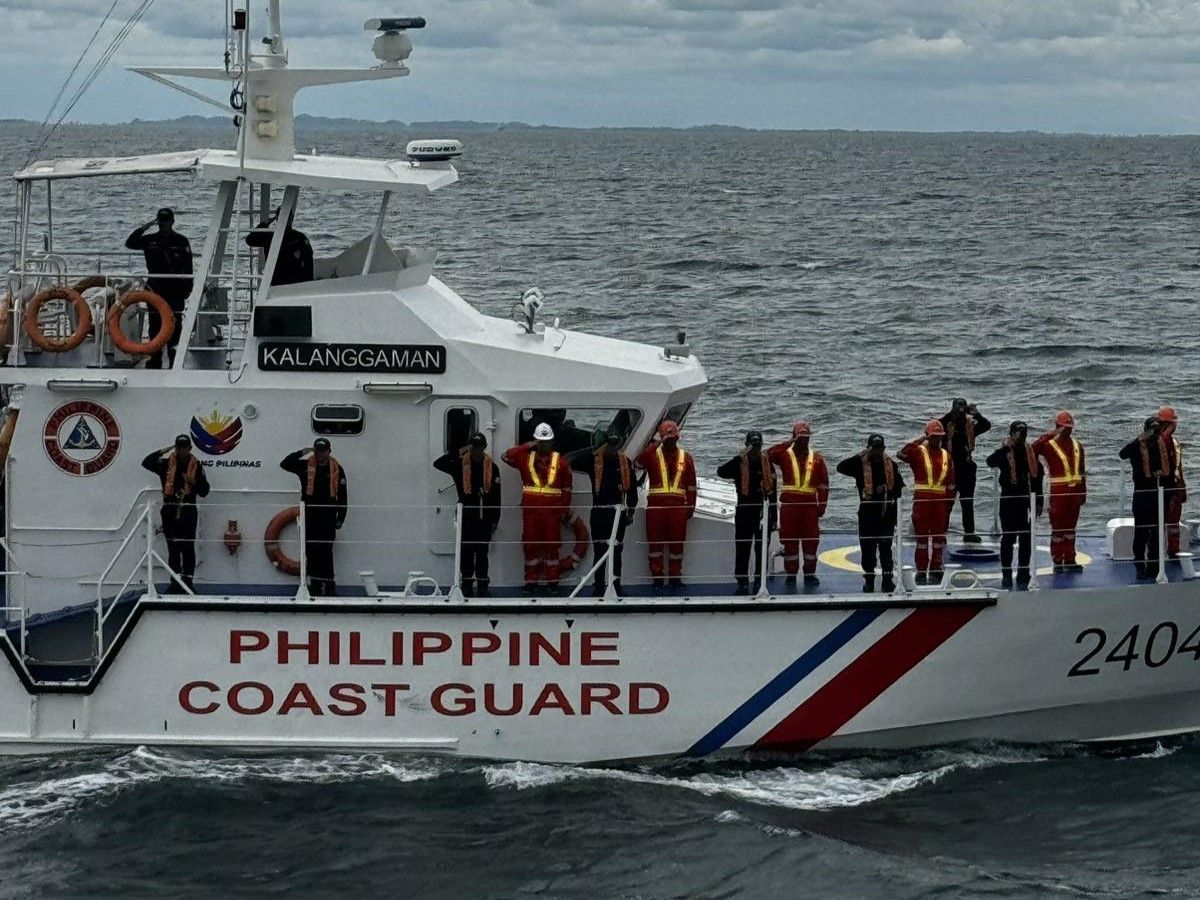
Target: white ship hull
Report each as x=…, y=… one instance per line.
x=593, y=681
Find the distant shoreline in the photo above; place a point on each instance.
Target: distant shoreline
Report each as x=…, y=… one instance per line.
x=326, y=123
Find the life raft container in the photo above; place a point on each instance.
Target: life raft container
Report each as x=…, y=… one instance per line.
x=275, y=554
x=140, y=348
x=83, y=320
x=582, y=540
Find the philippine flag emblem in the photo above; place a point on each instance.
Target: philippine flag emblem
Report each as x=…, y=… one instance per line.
x=216, y=434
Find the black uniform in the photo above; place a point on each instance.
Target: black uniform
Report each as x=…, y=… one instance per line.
x=166, y=253
x=179, y=513
x=295, y=263
x=481, y=515
x=1148, y=462
x=607, y=495
x=876, y=515
x=1017, y=482
x=324, y=513
x=960, y=447
x=747, y=520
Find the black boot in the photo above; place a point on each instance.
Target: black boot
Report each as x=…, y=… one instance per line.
x=1006, y=581
x=743, y=587
x=889, y=585
x=482, y=588
x=869, y=583
x=921, y=578
x=811, y=581
x=1022, y=579
x=790, y=582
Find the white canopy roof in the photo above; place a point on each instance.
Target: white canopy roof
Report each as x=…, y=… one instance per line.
x=311, y=171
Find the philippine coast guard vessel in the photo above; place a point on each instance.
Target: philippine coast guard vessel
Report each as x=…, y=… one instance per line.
x=379, y=354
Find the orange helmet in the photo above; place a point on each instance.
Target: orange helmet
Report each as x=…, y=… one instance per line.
x=935, y=427
x=1064, y=420
x=668, y=429
x=801, y=429
x=1167, y=414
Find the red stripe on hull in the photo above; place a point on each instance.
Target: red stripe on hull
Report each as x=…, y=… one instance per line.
x=850, y=691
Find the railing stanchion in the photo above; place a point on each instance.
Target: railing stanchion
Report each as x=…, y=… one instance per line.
x=302, y=593
x=610, y=588
x=898, y=570
x=1033, y=539
x=456, y=585
x=151, y=590
x=764, y=546
x=1161, y=577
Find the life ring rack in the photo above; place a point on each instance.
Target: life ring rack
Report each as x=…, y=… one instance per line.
x=275, y=554
x=582, y=540
x=156, y=342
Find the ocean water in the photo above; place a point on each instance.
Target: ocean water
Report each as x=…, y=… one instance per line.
x=859, y=280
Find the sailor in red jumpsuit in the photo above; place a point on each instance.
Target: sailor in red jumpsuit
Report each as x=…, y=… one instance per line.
x=545, y=502
x=803, y=496
x=670, y=502
x=933, y=498
x=1174, y=487
x=1064, y=461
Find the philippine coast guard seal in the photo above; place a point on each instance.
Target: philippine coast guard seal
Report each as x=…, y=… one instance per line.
x=81, y=437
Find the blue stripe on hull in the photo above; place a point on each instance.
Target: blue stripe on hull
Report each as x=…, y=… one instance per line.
x=774, y=689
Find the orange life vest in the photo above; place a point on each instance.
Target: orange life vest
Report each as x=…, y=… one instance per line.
x=801, y=481
x=189, y=476
x=1072, y=466
x=626, y=472
x=467, y=486
x=335, y=472
x=929, y=480
x=667, y=484
x=889, y=476
x=768, y=474
x=535, y=485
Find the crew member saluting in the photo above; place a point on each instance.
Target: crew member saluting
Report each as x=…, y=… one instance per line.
x=933, y=498
x=803, y=496
x=167, y=252
x=323, y=492
x=754, y=479
x=1063, y=459
x=614, y=493
x=1020, y=477
x=963, y=424
x=545, y=502
x=182, y=478
x=1174, y=485
x=670, y=502
x=879, y=485
x=478, y=484
x=1148, y=458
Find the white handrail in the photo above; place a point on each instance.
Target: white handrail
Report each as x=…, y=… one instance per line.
x=1033, y=537
x=763, y=546
x=456, y=587
x=302, y=593
x=1161, y=577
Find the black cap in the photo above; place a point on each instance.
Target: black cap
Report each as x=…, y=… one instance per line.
x=182, y=440
x=614, y=436
x=478, y=440
x=875, y=441
x=753, y=436
x=1018, y=425
x=321, y=444
x=959, y=401
x=166, y=213
x=1150, y=423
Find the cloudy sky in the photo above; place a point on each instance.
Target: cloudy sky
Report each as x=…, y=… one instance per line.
x=1114, y=66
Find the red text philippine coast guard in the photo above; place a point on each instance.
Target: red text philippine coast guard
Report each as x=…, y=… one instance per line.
x=414, y=655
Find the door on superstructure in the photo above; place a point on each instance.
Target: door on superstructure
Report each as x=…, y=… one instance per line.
x=451, y=424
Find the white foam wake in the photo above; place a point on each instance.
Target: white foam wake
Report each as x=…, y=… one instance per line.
x=33, y=803
x=842, y=784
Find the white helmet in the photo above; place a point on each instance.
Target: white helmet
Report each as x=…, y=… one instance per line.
x=543, y=432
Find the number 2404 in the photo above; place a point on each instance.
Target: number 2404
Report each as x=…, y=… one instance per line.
x=1161, y=643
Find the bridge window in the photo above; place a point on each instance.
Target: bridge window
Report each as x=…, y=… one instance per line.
x=338, y=418
x=461, y=423
x=578, y=429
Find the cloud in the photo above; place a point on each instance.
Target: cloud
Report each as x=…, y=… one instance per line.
x=751, y=62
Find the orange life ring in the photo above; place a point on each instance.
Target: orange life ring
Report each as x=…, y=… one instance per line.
x=275, y=554
x=144, y=348
x=83, y=320
x=582, y=540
